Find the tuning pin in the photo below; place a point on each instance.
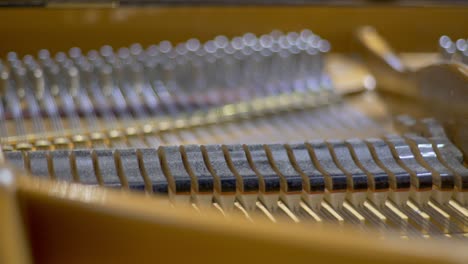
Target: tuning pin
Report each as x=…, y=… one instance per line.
x=462, y=49
x=165, y=46
x=123, y=54
x=106, y=79
x=75, y=53
x=4, y=76
x=74, y=79
x=12, y=57
x=43, y=55
x=39, y=82
x=276, y=34
x=292, y=37
x=19, y=76
x=447, y=47
x=136, y=49
x=61, y=57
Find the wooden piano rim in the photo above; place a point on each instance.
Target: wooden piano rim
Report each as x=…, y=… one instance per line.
x=53, y=222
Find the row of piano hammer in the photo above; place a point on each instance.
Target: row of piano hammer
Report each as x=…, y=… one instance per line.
x=392, y=167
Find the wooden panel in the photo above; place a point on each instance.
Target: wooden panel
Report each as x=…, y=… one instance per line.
x=407, y=28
